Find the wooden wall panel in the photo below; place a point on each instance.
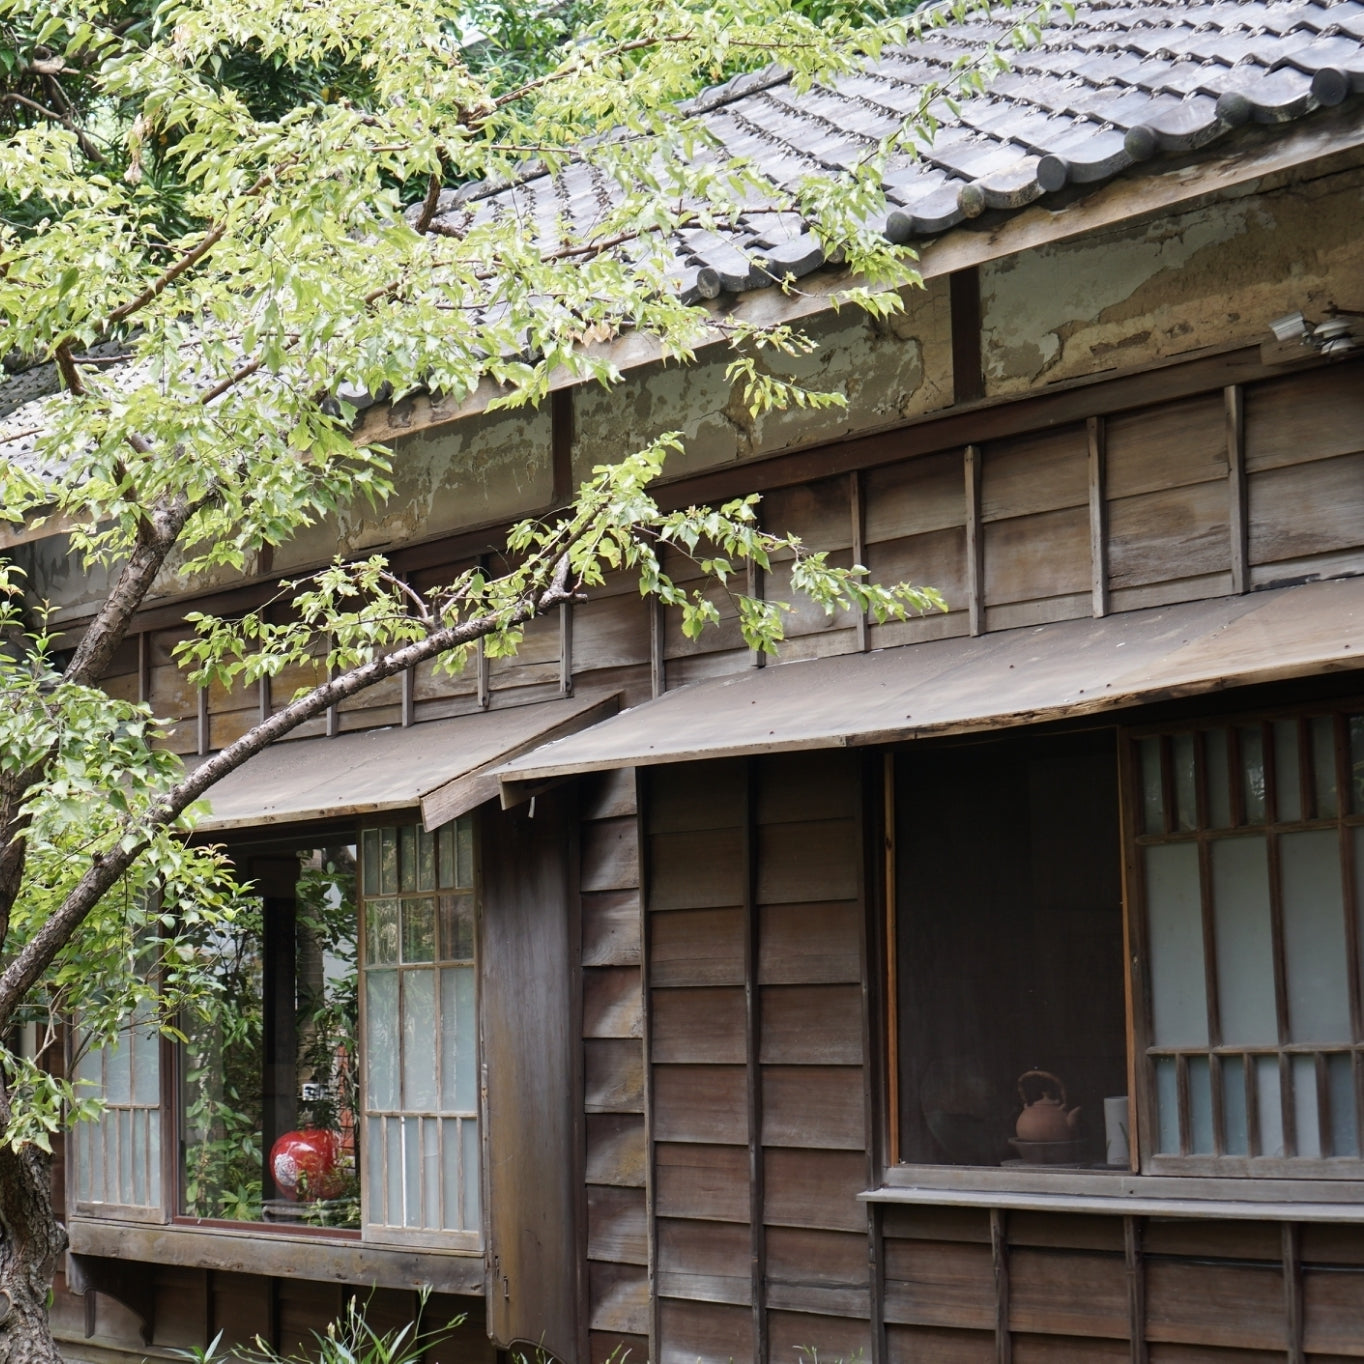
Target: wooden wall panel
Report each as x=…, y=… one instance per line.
x=1303, y=417
x=616, y=1347
x=181, y=1306
x=619, y=1297
x=1033, y=557
x=685, y=797
x=1038, y=472
x=697, y=947
x=616, y=1149
x=809, y=943
x=798, y=787
x=914, y=497
x=936, y=1224
x=616, y=1225
x=613, y=1070
x=1236, y=1305
x=699, y=1025
x=820, y=513
x=302, y=1308
x=814, y=1188
x=914, y=1344
x=701, y=1180
x=708, y=1332
x=610, y=855
x=939, y=1283
x=611, y=928
x=613, y=1002
x=818, y=1106
x=1069, y=1293
x=932, y=559
x=610, y=631
x=696, y=869
x=1333, y=1311
x=1170, y=534
x=1051, y=1349
x=705, y=1261
x=1170, y=446
x=808, y=861
x=833, y=1339
x=812, y=1025
x=1307, y=509
x=700, y=1104
x=804, y=1258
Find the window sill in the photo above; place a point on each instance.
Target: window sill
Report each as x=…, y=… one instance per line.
x=245, y=1251
x=1120, y=1193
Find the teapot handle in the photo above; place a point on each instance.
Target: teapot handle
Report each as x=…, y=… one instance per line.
x=1040, y=1075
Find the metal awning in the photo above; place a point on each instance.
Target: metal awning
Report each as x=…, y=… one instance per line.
x=446, y=767
x=955, y=686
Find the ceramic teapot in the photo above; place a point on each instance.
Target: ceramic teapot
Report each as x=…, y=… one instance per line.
x=1045, y=1117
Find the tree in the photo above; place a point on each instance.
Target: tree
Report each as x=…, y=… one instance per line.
x=247, y=261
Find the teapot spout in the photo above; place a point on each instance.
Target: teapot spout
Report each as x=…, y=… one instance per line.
x=1072, y=1118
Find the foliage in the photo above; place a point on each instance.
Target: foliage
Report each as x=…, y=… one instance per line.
x=256, y=251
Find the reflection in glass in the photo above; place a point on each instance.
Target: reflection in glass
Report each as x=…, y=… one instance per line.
x=1314, y=937
x=1179, y=1001
x=1323, y=728
x=1216, y=747
x=1287, y=776
x=1253, y=774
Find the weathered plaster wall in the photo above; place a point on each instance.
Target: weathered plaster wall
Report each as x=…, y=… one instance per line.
x=1214, y=276
x=886, y=370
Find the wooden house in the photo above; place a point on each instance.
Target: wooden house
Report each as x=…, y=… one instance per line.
x=983, y=987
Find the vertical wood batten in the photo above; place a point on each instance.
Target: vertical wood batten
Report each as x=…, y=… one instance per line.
x=658, y=665
x=201, y=720
x=753, y=1076
x=999, y=1256
x=1136, y=1291
x=1098, y=516
x=975, y=542
x=859, y=544
x=1291, y=1235
x=566, y=648
x=1238, y=503
x=144, y=667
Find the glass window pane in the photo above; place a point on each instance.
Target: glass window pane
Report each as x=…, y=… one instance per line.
x=369, y=861
x=431, y=1172
x=1237, y=1129
x=1305, y=1118
x=1314, y=937
x=1287, y=776
x=381, y=925
x=1344, y=1131
x=1152, y=801
x=1200, y=1104
x=1253, y=774
x=459, y=1040
x=1357, y=763
x=445, y=859
x=1245, y=941
x=407, y=839
x=1219, y=778
x=1269, y=1102
x=412, y=1172
x=419, y=929
x=457, y=927
x=146, y=1065
x=426, y=860
x=464, y=843
x=1175, y=929
x=468, y=1131
x=419, y=1058
x=388, y=861
x=118, y=1070
x=1186, y=785
x=451, y=1154
x=374, y=1171
x=393, y=1171
x=381, y=1040
x=1324, y=765
x=1167, y=1106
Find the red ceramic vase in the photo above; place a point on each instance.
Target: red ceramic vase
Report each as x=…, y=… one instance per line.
x=305, y=1164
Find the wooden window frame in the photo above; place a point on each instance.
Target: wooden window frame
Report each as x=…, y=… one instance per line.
x=1213, y=1181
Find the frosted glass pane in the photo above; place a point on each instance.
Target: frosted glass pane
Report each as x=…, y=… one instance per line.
x=123, y=1125
x=1219, y=779
x=459, y=1040
x=393, y=1170
x=464, y=841
x=457, y=927
x=146, y=1066
x=153, y=1158
x=430, y=1205
x=381, y=925
x=468, y=1129
x=1152, y=801
x=1186, y=787
x=1167, y=1105
x=451, y=1153
x=426, y=860
x=1200, y=1104
x=419, y=929
x=138, y=1191
x=1323, y=729
x=118, y=1071
x=1305, y=1119
x=381, y=1039
x=1253, y=775
x=369, y=861
x=1173, y=906
x=412, y=1173
x=445, y=841
x=407, y=860
x=1344, y=1131
x=1237, y=1132
x=1245, y=941
x=1269, y=1104
x=1314, y=937
x=1357, y=763
x=419, y=1056
x=388, y=861
x=1287, y=777
x=374, y=1169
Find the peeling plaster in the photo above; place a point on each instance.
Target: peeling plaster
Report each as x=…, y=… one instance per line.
x=1211, y=277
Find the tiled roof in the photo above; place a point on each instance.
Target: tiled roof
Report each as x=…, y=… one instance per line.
x=1122, y=84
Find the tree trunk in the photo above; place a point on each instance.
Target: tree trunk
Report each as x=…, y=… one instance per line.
x=31, y=1244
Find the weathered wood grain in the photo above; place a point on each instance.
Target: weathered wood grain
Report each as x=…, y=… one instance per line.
x=1042, y=555
x=815, y=860
x=610, y=855
x=616, y=1225
x=613, y=1079
x=718, y=1249
x=689, y=1331
x=1068, y=1293
x=1304, y=417
x=706, y=1024
x=699, y=1104
x=696, y=869
x=613, y=1002
x=696, y=947
x=913, y=1344
x=914, y=496
x=1306, y=509
x=611, y=929
x=939, y=1283
x=684, y=797
x=1040, y=472
x=796, y=787
x=1169, y=446
x=812, y=1025
x=616, y=1149
x=618, y=1298
x=830, y=1337
x=701, y=1180
x=1172, y=533
x=809, y=943
x=1233, y=1306
x=814, y=1106
x=814, y=1188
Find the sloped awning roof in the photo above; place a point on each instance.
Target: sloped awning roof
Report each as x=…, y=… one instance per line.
x=445, y=767
x=955, y=686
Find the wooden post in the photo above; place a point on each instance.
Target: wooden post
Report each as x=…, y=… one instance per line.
x=658, y=664
x=1236, y=489
x=1292, y=1291
x=999, y=1252
x=144, y=667
x=565, y=648
x=753, y=1029
x=1098, y=517
x=1136, y=1290
x=975, y=544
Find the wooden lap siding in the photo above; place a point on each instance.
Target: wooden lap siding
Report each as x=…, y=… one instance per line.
x=756, y=1059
